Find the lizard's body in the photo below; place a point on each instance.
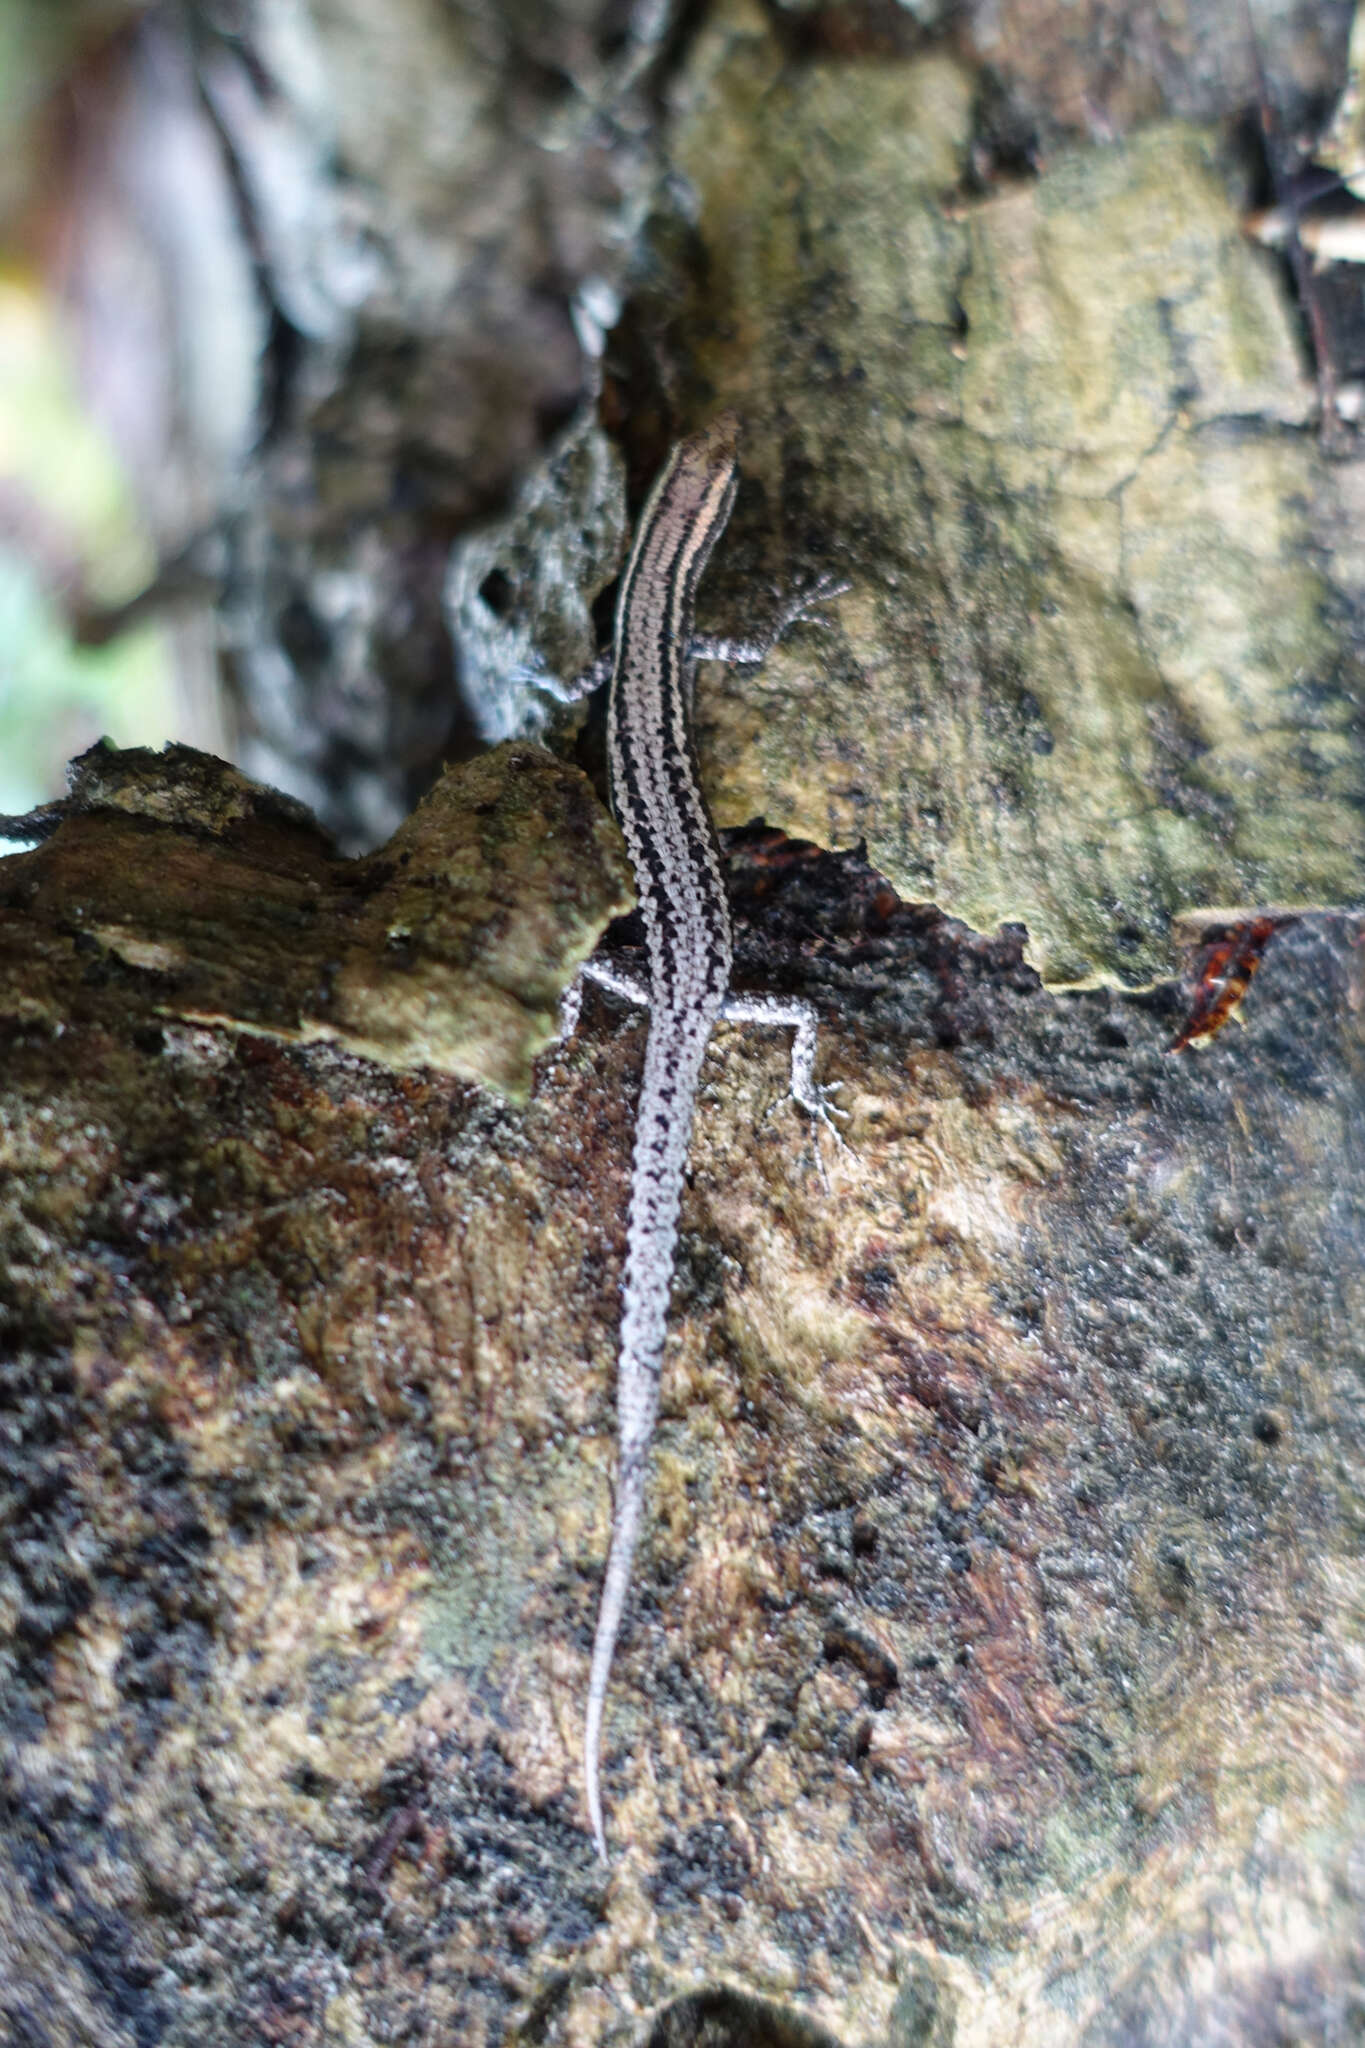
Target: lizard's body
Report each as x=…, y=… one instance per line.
x=672, y=845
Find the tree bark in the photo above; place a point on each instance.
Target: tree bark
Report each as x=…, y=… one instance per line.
x=993, y=1666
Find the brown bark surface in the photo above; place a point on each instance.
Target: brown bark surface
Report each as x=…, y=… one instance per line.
x=997, y=1627
x=993, y=1672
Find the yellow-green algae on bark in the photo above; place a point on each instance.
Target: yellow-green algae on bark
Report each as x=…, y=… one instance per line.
x=1096, y=665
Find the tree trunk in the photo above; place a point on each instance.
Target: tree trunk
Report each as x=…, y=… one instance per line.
x=993, y=1665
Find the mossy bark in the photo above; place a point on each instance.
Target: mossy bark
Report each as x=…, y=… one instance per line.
x=993, y=1667
x=992, y=1658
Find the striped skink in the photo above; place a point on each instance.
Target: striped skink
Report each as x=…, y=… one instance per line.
x=672, y=845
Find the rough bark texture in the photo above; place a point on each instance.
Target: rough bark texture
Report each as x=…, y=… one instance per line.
x=994, y=1668
x=448, y=949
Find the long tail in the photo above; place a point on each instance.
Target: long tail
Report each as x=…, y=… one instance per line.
x=630, y=1501
x=672, y=1062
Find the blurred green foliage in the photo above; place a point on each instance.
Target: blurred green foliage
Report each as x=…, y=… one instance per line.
x=68, y=531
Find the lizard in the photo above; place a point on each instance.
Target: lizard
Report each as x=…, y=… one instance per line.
x=657, y=799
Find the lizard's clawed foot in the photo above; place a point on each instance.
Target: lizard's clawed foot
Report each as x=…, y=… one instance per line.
x=826, y=1111
x=799, y=605
x=822, y=1112
x=570, y=1008
x=802, y=603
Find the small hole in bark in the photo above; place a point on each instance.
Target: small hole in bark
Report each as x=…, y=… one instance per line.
x=496, y=592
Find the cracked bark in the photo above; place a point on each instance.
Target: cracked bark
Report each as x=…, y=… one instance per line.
x=993, y=1669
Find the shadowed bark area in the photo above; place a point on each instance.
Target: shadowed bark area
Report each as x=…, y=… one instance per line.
x=993, y=1668
x=998, y=1622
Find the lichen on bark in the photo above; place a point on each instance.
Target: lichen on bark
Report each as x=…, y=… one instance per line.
x=992, y=1670
x=1099, y=663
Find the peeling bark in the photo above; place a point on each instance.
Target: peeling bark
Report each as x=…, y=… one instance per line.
x=993, y=1670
